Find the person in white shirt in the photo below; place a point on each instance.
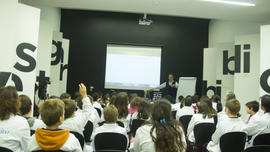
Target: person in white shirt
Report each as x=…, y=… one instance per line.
x=121, y=103
x=203, y=115
x=231, y=124
x=170, y=87
x=14, y=129
x=144, y=110
x=52, y=138
x=261, y=124
x=110, y=116
x=25, y=111
x=187, y=108
x=223, y=115
x=216, y=103
x=252, y=109
x=96, y=102
x=177, y=105
x=76, y=122
x=94, y=117
x=162, y=134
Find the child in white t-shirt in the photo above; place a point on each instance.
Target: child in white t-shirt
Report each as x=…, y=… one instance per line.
x=14, y=129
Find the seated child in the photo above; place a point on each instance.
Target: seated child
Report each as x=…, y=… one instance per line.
x=111, y=116
x=203, y=115
x=260, y=124
x=25, y=111
x=230, y=124
x=252, y=110
x=187, y=108
x=52, y=139
x=14, y=129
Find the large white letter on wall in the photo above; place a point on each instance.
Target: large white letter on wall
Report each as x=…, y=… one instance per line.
x=246, y=83
x=18, y=56
x=210, y=81
x=265, y=61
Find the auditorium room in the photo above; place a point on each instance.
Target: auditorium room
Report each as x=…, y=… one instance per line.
x=134, y=76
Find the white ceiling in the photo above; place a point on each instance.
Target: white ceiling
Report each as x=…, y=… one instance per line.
x=187, y=8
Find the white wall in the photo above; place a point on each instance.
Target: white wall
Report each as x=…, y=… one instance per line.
x=222, y=31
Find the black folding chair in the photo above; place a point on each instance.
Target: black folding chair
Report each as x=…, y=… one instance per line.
x=185, y=121
x=135, y=124
x=203, y=133
x=99, y=112
x=233, y=142
x=260, y=148
x=32, y=132
x=88, y=130
x=79, y=137
x=119, y=123
x=110, y=142
x=262, y=139
x=48, y=151
x=4, y=149
x=174, y=114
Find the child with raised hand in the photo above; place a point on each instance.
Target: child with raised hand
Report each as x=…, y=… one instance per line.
x=76, y=122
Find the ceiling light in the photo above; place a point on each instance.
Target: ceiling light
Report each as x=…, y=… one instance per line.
x=231, y=2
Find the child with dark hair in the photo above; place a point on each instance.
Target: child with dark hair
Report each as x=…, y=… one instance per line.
x=65, y=96
x=216, y=103
x=162, y=134
x=177, y=105
x=144, y=110
x=203, y=115
x=187, y=108
x=121, y=103
x=134, y=105
x=14, y=129
x=25, y=111
x=252, y=110
x=261, y=124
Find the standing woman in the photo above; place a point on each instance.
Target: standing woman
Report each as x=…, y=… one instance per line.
x=163, y=134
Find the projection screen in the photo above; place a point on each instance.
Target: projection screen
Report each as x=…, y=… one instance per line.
x=132, y=67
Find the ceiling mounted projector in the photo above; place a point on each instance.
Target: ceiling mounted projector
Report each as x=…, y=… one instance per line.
x=145, y=21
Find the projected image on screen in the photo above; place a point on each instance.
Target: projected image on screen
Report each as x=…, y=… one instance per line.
x=132, y=67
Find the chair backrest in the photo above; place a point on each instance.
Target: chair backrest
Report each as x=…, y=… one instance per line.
x=99, y=112
x=110, y=141
x=135, y=124
x=88, y=130
x=203, y=133
x=32, y=132
x=5, y=149
x=119, y=123
x=185, y=121
x=260, y=148
x=48, y=151
x=262, y=139
x=79, y=137
x=174, y=114
x=233, y=142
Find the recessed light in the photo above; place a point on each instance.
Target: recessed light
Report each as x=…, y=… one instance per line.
x=231, y=2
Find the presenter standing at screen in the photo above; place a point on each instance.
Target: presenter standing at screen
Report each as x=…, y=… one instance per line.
x=170, y=87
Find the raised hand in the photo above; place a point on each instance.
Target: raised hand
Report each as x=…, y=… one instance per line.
x=83, y=90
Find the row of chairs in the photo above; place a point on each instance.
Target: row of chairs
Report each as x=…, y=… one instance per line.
x=230, y=142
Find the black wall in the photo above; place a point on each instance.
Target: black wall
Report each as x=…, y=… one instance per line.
x=183, y=40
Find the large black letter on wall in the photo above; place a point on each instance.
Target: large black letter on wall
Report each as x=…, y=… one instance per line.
x=21, y=54
x=263, y=81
